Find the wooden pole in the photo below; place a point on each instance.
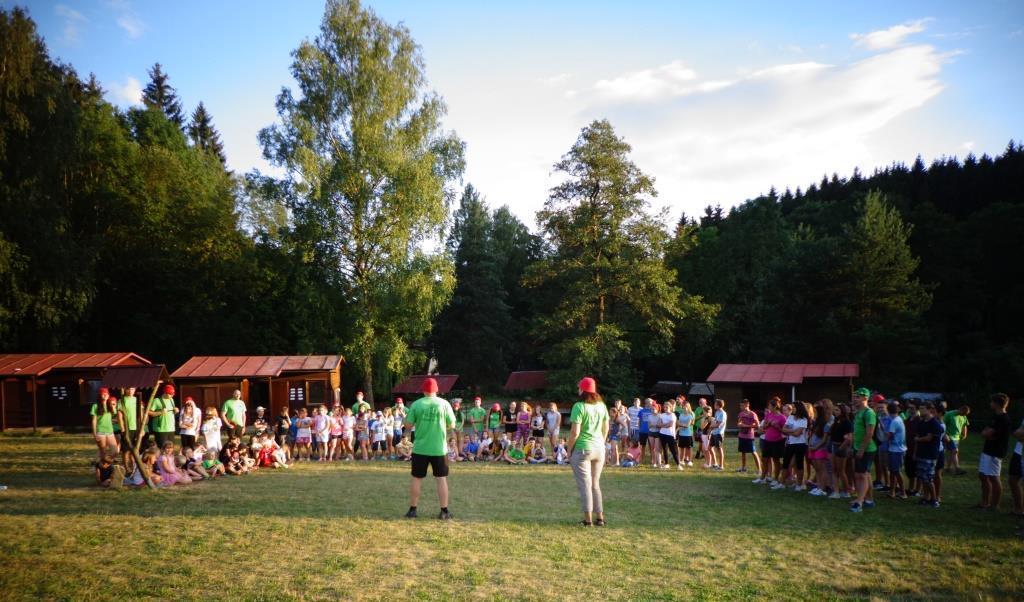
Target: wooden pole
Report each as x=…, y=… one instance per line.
x=134, y=445
x=3, y=405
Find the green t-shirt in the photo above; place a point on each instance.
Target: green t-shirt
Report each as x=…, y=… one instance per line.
x=234, y=410
x=460, y=418
x=129, y=406
x=697, y=413
x=104, y=421
x=431, y=417
x=164, y=423
x=955, y=424
x=861, y=421
x=495, y=420
x=592, y=418
x=478, y=415
x=516, y=454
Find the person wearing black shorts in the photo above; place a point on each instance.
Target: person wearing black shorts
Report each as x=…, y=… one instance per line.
x=432, y=417
x=508, y=418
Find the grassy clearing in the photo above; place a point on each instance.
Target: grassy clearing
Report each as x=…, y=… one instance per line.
x=333, y=532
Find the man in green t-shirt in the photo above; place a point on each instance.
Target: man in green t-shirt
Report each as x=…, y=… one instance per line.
x=161, y=416
x=431, y=417
x=864, y=423
x=956, y=429
x=477, y=414
x=127, y=415
x=232, y=413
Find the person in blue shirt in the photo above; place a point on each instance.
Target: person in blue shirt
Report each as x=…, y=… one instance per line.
x=645, y=428
x=896, y=443
x=929, y=438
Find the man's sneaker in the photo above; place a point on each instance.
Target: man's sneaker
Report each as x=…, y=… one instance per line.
x=410, y=514
x=855, y=507
x=757, y=481
x=934, y=503
x=817, y=492
x=835, y=496
x=445, y=515
x=778, y=486
x=869, y=503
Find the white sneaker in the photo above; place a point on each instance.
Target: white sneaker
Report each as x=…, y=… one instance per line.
x=799, y=488
x=757, y=481
x=844, y=495
x=778, y=486
x=689, y=464
x=679, y=467
x=816, y=492
x=835, y=496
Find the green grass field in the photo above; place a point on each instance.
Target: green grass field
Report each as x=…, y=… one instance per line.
x=329, y=532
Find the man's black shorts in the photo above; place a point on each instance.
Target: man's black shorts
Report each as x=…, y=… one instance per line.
x=863, y=464
x=643, y=439
x=438, y=465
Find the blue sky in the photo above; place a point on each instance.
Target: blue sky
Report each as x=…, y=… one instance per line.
x=720, y=100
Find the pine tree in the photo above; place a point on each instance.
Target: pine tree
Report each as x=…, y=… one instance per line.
x=612, y=299
x=159, y=94
x=203, y=135
x=473, y=334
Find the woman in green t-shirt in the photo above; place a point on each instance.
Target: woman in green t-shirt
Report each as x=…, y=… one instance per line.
x=104, y=412
x=587, y=435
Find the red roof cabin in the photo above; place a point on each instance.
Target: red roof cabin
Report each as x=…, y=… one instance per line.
x=271, y=381
x=789, y=382
x=54, y=389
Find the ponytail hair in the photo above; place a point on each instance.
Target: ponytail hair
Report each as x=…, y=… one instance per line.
x=591, y=397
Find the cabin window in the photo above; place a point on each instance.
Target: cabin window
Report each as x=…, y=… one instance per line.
x=296, y=394
x=317, y=392
x=59, y=393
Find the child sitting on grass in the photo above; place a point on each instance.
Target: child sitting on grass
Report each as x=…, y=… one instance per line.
x=486, y=442
x=105, y=472
x=168, y=468
x=561, y=455
x=514, y=454
x=471, y=449
x=404, y=449
x=454, y=455
x=192, y=466
x=633, y=454
x=538, y=455
x=212, y=465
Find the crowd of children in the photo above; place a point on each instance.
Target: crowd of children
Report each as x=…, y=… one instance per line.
x=826, y=449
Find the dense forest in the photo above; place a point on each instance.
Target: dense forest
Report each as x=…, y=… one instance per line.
x=124, y=230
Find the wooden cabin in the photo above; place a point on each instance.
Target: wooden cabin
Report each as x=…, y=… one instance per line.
x=271, y=381
x=54, y=389
x=789, y=382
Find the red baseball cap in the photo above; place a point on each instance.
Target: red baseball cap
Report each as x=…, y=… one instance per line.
x=104, y=390
x=588, y=385
x=429, y=385
x=877, y=397
x=168, y=389
x=496, y=407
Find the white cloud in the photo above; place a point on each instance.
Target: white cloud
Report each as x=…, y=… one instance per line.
x=968, y=146
x=132, y=25
x=784, y=125
x=127, y=94
x=888, y=38
x=555, y=80
x=673, y=79
x=73, y=22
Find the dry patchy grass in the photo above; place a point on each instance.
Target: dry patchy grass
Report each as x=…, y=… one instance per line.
x=328, y=532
